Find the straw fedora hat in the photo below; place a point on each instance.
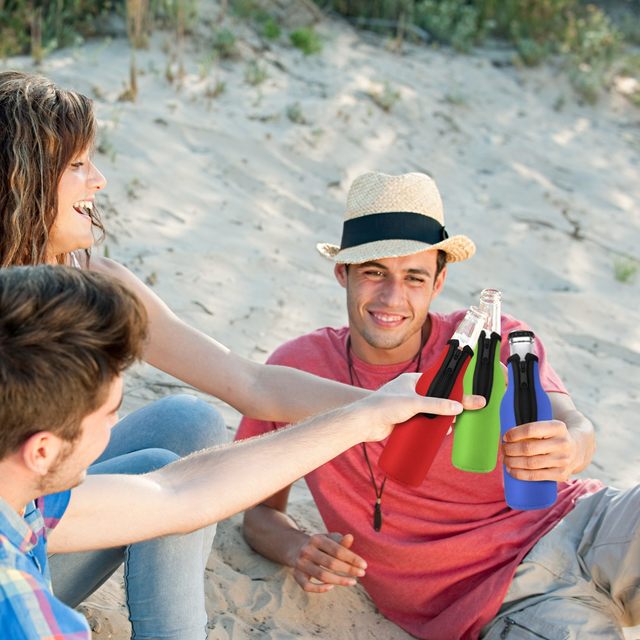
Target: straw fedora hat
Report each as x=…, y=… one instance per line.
x=390, y=216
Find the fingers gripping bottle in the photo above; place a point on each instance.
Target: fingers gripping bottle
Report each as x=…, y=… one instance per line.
x=413, y=444
x=476, y=434
x=525, y=401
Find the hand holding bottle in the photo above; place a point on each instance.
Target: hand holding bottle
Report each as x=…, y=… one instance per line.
x=413, y=445
x=525, y=403
x=540, y=451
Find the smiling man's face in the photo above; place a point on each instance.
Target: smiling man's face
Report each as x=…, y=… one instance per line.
x=388, y=302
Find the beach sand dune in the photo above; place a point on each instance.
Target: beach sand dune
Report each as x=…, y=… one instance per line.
x=217, y=201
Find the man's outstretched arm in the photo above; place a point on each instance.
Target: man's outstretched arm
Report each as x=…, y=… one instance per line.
x=268, y=392
x=320, y=560
x=213, y=484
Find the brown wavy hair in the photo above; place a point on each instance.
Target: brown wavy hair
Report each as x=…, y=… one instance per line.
x=65, y=334
x=42, y=129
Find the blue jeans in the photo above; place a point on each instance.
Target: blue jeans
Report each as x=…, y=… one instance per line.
x=164, y=577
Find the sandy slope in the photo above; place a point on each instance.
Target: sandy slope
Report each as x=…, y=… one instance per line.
x=219, y=201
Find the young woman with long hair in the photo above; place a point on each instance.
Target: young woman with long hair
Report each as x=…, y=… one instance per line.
x=48, y=214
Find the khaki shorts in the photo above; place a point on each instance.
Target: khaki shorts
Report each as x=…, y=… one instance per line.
x=581, y=581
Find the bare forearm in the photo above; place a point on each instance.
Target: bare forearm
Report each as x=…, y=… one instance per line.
x=201, y=489
x=265, y=392
x=582, y=431
x=212, y=485
x=215, y=483
x=293, y=395
x=273, y=534
x=259, y=391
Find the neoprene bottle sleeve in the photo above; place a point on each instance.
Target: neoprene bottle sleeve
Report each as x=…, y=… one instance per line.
x=413, y=445
x=525, y=401
x=476, y=434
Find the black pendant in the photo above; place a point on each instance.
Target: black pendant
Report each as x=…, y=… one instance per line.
x=377, y=516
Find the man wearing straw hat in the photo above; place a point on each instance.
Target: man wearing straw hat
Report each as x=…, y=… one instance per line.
x=446, y=561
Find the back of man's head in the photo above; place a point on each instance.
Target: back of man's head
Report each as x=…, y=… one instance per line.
x=65, y=335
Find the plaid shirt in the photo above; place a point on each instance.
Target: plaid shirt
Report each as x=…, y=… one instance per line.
x=28, y=608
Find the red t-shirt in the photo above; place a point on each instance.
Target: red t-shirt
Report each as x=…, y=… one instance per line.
x=447, y=551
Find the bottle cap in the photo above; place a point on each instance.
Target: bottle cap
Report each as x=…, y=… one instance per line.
x=521, y=343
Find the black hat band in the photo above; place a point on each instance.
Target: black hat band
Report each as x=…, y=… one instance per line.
x=393, y=225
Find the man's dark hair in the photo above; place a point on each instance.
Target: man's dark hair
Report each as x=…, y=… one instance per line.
x=65, y=335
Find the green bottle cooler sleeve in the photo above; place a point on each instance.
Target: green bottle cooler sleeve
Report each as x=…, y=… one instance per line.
x=476, y=434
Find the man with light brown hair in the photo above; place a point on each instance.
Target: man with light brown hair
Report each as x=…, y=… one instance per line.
x=66, y=337
x=446, y=560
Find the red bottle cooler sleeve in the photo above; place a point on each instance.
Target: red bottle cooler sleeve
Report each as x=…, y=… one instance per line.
x=413, y=445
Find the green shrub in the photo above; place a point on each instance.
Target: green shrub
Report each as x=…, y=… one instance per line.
x=174, y=14
x=379, y=9
x=295, y=113
x=537, y=20
x=245, y=8
x=592, y=38
x=271, y=29
x=625, y=270
x=629, y=65
x=224, y=43
x=629, y=28
x=265, y=22
x=450, y=22
x=587, y=82
x=52, y=24
x=537, y=28
x=581, y=33
x=307, y=40
x=531, y=52
x=62, y=23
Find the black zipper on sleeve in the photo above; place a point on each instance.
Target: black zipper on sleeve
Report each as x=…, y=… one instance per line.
x=525, y=403
x=443, y=382
x=483, y=374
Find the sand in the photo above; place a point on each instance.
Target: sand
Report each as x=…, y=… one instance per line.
x=217, y=202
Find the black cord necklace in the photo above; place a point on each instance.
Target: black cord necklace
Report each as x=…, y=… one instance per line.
x=355, y=381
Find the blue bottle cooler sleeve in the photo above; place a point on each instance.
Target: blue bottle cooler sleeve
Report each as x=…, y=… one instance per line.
x=526, y=494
